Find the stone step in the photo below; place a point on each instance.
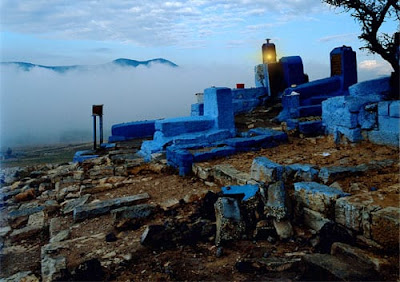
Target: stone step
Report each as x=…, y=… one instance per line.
x=307, y=111
x=325, y=267
x=317, y=100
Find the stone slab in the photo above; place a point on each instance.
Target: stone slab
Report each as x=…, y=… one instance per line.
x=264, y=170
x=318, y=197
x=365, y=257
x=301, y=172
x=228, y=175
x=103, y=207
x=313, y=219
x=228, y=220
x=275, y=206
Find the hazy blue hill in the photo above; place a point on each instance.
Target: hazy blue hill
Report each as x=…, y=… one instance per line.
x=120, y=62
x=134, y=63
x=29, y=66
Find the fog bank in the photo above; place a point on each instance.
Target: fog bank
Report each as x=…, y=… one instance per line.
x=44, y=107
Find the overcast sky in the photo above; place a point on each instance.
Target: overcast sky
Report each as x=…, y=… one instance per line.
x=183, y=31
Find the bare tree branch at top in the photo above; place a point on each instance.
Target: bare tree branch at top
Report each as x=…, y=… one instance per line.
x=371, y=14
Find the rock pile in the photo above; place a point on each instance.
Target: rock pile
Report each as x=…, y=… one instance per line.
x=83, y=221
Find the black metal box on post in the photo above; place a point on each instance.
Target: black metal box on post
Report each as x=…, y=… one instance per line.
x=97, y=110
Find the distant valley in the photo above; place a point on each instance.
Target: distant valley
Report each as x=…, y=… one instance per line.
x=118, y=62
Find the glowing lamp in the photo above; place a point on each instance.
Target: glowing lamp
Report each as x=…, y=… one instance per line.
x=268, y=52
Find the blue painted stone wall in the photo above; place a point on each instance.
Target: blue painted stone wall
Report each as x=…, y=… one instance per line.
x=181, y=125
x=197, y=109
x=131, y=130
x=293, y=71
x=312, y=94
x=387, y=131
x=216, y=124
x=244, y=100
x=364, y=114
x=218, y=105
x=247, y=99
x=182, y=156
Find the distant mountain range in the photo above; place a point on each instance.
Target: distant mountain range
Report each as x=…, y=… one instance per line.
x=119, y=62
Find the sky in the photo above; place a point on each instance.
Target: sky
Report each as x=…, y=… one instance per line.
x=215, y=42
x=59, y=32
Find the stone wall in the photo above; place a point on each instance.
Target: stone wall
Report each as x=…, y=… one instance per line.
x=131, y=130
x=364, y=115
x=244, y=100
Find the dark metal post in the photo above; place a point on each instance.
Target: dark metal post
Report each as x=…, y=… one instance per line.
x=97, y=110
x=101, y=129
x=94, y=132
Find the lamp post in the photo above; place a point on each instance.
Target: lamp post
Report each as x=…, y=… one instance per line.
x=97, y=110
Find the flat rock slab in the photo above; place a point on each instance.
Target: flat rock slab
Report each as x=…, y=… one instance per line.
x=25, y=276
x=325, y=267
x=330, y=174
x=71, y=205
x=227, y=174
x=365, y=257
x=13, y=215
x=103, y=207
x=265, y=265
x=26, y=232
x=133, y=216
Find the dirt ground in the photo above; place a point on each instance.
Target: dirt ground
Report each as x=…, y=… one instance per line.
x=323, y=152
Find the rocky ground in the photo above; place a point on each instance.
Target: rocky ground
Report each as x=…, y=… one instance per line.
x=118, y=218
